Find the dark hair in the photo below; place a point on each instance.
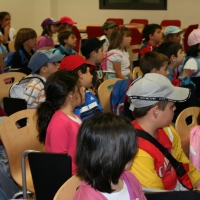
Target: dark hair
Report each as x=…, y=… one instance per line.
x=141, y=112
x=170, y=48
x=95, y=50
x=193, y=50
x=3, y=14
x=151, y=60
x=198, y=119
x=169, y=36
x=105, y=144
x=57, y=87
x=62, y=27
x=150, y=29
x=47, y=30
x=117, y=37
x=63, y=35
x=22, y=36
x=83, y=69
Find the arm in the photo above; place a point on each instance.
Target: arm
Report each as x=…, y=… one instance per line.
x=189, y=68
x=17, y=60
x=117, y=69
x=6, y=34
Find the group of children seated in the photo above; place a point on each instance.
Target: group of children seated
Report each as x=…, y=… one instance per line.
x=113, y=156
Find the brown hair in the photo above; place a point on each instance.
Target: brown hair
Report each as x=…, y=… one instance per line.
x=151, y=60
x=141, y=112
x=117, y=37
x=22, y=36
x=63, y=35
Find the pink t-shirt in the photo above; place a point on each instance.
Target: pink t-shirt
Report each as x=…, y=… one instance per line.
x=61, y=135
x=45, y=41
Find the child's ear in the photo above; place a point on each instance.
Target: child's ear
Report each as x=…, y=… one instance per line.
x=65, y=40
x=43, y=69
x=80, y=74
x=154, y=70
x=155, y=111
x=93, y=54
x=150, y=36
x=172, y=58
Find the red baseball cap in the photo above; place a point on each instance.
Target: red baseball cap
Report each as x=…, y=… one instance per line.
x=72, y=62
x=66, y=20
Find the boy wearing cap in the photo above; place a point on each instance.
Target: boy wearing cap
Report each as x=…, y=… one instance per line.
x=152, y=102
x=80, y=66
x=92, y=49
x=66, y=24
x=31, y=88
x=172, y=33
x=107, y=29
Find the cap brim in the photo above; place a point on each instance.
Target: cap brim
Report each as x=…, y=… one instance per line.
x=101, y=42
x=56, y=23
x=56, y=58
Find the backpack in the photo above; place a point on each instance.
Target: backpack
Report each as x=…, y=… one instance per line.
x=8, y=60
x=104, y=62
x=17, y=89
x=194, y=153
x=118, y=96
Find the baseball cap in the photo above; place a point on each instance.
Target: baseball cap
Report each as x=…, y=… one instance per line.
x=194, y=37
x=49, y=21
x=66, y=20
x=72, y=62
x=172, y=30
x=152, y=88
x=90, y=45
x=108, y=24
x=42, y=57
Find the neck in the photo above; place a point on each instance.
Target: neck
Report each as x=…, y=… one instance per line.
x=119, y=186
x=152, y=42
x=68, y=109
x=173, y=66
x=28, y=49
x=92, y=60
x=67, y=47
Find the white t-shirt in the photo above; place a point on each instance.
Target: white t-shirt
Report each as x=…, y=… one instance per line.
x=106, y=43
x=12, y=33
x=192, y=65
x=122, y=194
x=122, y=56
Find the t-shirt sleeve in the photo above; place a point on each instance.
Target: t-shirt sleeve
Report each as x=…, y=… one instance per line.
x=41, y=43
x=115, y=57
x=191, y=64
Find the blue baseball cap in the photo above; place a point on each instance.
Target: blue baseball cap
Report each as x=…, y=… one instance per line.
x=172, y=30
x=40, y=58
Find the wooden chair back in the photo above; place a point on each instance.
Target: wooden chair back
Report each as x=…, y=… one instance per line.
x=183, y=128
x=11, y=46
x=2, y=62
x=118, y=21
x=68, y=189
x=137, y=72
x=104, y=91
x=16, y=140
x=94, y=31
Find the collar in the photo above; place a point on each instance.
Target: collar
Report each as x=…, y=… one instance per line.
x=71, y=51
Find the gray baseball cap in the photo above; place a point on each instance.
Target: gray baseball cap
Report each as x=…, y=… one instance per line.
x=108, y=24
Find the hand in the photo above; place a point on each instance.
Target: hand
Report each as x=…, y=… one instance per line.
x=197, y=185
x=7, y=28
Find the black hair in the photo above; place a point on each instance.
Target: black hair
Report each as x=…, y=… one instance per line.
x=193, y=50
x=150, y=29
x=57, y=88
x=170, y=48
x=3, y=14
x=47, y=30
x=63, y=35
x=105, y=144
x=83, y=69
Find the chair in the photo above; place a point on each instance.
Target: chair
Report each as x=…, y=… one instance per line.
x=78, y=37
x=5, y=86
x=68, y=189
x=94, y=31
x=171, y=23
x=137, y=72
x=104, y=91
x=118, y=21
x=49, y=172
x=16, y=140
x=11, y=46
x=45, y=48
x=183, y=128
x=2, y=62
x=186, y=34
x=139, y=21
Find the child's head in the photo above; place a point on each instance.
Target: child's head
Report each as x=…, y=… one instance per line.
x=67, y=37
x=50, y=26
x=26, y=37
x=120, y=39
x=62, y=89
x=154, y=62
x=152, y=32
x=194, y=43
x=80, y=66
x=44, y=63
x=66, y=24
x=106, y=145
x=173, y=34
x=174, y=51
x=93, y=49
x=108, y=28
x=153, y=96
x=5, y=19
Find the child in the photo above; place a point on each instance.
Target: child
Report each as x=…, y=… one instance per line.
x=6, y=31
x=106, y=146
x=25, y=42
x=173, y=34
x=43, y=64
x=152, y=102
x=50, y=27
x=57, y=124
x=153, y=37
x=107, y=29
x=117, y=58
x=67, y=40
x=66, y=24
x=92, y=49
x=81, y=67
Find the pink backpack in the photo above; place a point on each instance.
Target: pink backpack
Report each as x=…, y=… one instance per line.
x=104, y=62
x=194, y=154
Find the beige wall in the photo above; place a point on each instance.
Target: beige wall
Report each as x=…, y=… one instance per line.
x=30, y=13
